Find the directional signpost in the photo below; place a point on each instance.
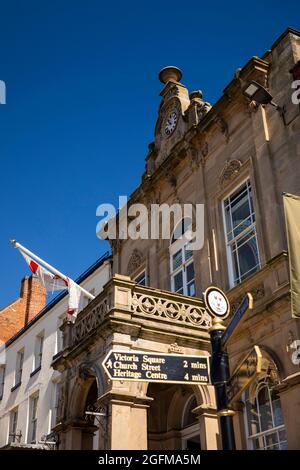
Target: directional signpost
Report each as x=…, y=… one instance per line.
x=218, y=305
x=228, y=389
x=156, y=367
x=238, y=318
x=244, y=374
x=177, y=368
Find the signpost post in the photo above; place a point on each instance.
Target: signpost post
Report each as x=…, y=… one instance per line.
x=218, y=305
x=156, y=367
x=228, y=389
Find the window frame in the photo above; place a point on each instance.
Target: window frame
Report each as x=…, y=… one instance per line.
x=33, y=419
x=56, y=397
x=262, y=434
x=2, y=380
x=13, y=424
x=39, y=350
x=19, y=367
x=175, y=247
x=235, y=239
x=191, y=430
x=139, y=275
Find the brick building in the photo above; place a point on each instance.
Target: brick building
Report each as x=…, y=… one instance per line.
x=29, y=387
x=20, y=312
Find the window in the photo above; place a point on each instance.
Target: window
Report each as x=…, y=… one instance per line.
x=19, y=367
x=39, y=343
x=13, y=422
x=181, y=259
x=240, y=234
x=2, y=381
x=190, y=426
x=189, y=417
x=59, y=335
x=57, y=389
x=141, y=279
x=265, y=424
x=33, y=404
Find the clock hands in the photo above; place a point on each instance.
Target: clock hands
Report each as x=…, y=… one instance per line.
x=170, y=123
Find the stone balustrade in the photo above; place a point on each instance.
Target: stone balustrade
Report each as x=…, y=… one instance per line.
x=123, y=299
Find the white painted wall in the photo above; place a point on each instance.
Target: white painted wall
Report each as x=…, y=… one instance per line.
x=43, y=381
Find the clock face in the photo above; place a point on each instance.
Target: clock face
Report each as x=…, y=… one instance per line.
x=170, y=123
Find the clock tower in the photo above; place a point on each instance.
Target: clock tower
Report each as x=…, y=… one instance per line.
x=177, y=113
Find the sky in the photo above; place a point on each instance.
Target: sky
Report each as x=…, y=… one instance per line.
x=82, y=97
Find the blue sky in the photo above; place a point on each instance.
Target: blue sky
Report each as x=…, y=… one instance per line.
x=82, y=99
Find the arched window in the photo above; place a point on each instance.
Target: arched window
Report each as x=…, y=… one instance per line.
x=181, y=260
x=190, y=429
x=189, y=418
x=265, y=426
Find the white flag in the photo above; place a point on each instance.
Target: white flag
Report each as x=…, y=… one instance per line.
x=53, y=282
x=74, y=299
x=50, y=281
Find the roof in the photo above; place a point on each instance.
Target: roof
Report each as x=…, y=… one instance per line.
x=60, y=296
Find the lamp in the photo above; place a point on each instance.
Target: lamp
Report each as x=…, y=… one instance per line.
x=256, y=92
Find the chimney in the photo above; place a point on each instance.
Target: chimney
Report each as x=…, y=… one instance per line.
x=19, y=313
x=33, y=295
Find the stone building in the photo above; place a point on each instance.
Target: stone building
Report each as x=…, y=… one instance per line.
x=237, y=158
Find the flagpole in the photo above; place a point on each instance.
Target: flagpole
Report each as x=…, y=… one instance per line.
x=46, y=265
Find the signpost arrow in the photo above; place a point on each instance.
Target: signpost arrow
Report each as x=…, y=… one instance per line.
x=156, y=367
x=244, y=374
x=238, y=318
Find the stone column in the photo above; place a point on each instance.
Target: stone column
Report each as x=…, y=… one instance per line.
x=239, y=426
x=78, y=436
x=73, y=439
x=209, y=427
x=127, y=420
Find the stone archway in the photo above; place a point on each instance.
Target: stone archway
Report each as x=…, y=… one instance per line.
x=179, y=417
x=82, y=428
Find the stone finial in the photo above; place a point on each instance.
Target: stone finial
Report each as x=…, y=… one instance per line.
x=170, y=73
x=196, y=95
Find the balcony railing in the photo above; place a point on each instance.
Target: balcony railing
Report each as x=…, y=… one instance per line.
x=123, y=300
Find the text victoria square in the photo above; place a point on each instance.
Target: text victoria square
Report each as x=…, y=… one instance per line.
x=156, y=367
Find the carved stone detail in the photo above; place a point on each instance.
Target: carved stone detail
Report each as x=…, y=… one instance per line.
x=230, y=169
x=135, y=261
x=174, y=348
x=257, y=292
x=86, y=325
x=223, y=126
x=172, y=92
x=203, y=109
x=149, y=306
x=168, y=309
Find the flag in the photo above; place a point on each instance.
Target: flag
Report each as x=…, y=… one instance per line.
x=50, y=281
x=54, y=282
x=74, y=299
x=292, y=220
